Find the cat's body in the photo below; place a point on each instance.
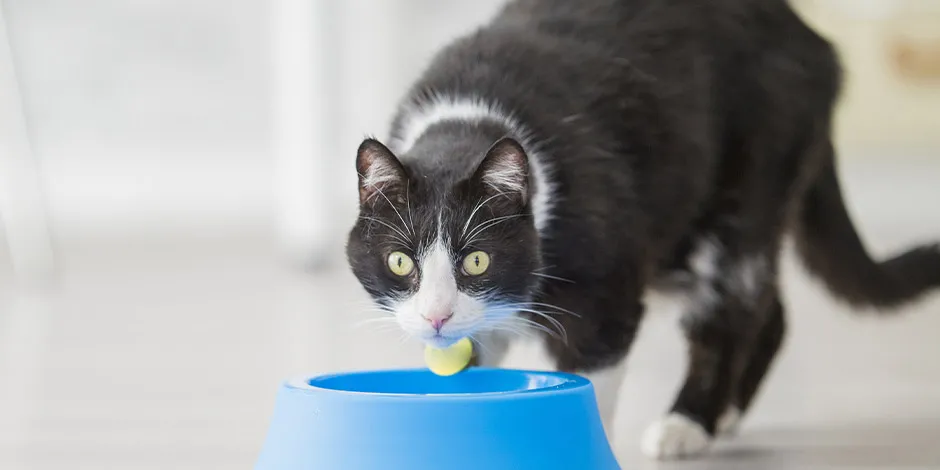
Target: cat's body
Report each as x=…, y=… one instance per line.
x=653, y=144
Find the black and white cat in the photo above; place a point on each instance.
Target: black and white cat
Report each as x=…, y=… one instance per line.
x=551, y=168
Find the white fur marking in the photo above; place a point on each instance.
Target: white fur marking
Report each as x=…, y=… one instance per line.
x=437, y=295
x=417, y=118
x=543, y=192
x=379, y=173
x=704, y=261
x=702, y=297
x=607, y=382
x=506, y=177
x=748, y=276
x=674, y=437
x=729, y=421
x=745, y=278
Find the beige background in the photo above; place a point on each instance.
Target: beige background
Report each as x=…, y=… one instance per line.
x=884, y=111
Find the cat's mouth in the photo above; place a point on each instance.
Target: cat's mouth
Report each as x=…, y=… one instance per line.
x=441, y=341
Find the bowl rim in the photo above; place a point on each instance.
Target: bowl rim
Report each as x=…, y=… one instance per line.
x=572, y=383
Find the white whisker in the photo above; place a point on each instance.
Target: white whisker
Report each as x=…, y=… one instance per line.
x=540, y=327
x=474, y=212
x=374, y=321
x=557, y=324
x=411, y=218
x=487, y=225
x=549, y=276
x=475, y=241
x=490, y=222
x=510, y=328
x=398, y=242
x=402, y=219
x=404, y=238
x=483, y=348
x=403, y=338
x=541, y=304
x=379, y=315
x=389, y=201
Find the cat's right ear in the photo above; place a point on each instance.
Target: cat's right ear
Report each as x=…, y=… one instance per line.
x=505, y=170
x=381, y=175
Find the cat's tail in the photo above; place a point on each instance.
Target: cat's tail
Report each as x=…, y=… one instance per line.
x=831, y=249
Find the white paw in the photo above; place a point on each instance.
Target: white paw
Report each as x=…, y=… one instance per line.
x=729, y=421
x=674, y=437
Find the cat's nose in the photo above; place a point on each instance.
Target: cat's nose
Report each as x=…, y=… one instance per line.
x=437, y=321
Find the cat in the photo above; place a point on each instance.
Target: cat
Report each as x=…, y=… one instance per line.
x=551, y=168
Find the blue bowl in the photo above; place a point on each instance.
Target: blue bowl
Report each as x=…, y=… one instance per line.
x=480, y=419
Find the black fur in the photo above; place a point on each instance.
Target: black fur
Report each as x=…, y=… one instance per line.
x=832, y=249
x=669, y=126
x=425, y=193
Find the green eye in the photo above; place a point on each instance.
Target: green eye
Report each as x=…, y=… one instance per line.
x=400, y=264
x=476, y=263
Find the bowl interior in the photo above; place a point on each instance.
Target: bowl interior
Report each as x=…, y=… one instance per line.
x=423, y=382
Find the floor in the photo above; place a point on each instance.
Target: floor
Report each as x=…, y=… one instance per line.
x=165, y=353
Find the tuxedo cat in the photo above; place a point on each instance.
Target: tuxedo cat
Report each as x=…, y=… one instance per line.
x=549, y=169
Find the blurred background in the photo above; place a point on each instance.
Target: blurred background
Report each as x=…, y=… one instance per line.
x=176, y=182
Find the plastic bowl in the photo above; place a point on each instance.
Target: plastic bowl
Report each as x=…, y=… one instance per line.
x=480, y=419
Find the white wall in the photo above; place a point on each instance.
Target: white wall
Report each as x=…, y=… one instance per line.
x=155, y=114
x=145, y=112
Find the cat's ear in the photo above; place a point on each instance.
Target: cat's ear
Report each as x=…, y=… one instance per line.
x=505, y=170
x=380, y=173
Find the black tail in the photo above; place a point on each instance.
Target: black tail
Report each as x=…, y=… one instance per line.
x=832, y=250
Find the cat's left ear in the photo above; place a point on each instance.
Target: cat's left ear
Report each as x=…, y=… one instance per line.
x=505, y=170
x=380, y=173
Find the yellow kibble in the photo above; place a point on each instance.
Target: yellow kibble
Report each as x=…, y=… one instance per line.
x=450, y=360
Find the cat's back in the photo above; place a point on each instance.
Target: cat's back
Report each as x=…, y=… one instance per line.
x=634, y=25
x=632, y=103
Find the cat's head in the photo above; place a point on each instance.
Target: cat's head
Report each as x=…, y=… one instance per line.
x=449, y=255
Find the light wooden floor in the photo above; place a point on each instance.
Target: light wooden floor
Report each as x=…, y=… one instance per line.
x=165, y=353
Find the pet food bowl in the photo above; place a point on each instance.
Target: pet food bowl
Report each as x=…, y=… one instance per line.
x=480, y=419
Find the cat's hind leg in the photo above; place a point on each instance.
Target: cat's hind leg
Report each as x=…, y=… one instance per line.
x=763, y=351
x=725, y=306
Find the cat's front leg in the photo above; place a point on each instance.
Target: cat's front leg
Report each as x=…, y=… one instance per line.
x=595, y=345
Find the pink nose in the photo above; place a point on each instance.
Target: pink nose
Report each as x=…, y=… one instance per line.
x=437, y=322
